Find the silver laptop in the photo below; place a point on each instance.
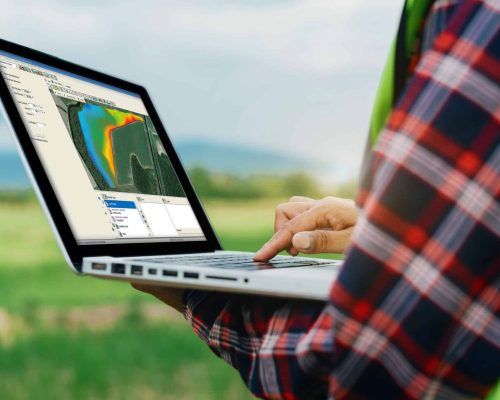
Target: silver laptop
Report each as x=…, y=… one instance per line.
x=118, y=199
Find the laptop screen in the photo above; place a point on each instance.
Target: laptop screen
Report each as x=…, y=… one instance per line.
x=103, y=156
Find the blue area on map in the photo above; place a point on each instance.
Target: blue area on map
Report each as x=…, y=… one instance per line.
x=91, y=112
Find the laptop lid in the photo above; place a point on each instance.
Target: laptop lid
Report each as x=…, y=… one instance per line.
x=109, y=176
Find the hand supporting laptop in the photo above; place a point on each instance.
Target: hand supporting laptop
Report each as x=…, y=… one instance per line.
x=301, y=225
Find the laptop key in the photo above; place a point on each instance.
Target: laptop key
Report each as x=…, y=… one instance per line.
x=235, y=262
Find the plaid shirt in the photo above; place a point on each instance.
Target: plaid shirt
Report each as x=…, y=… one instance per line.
x=415, y=311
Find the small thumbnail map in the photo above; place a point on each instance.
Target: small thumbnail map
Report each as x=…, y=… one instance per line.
x=121, y=150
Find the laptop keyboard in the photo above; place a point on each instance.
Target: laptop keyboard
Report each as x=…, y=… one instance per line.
x=235, y=261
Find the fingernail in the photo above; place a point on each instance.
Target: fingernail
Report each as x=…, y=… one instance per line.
x=303, y=241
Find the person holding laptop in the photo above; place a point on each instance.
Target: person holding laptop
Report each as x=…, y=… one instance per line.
x=415, y=310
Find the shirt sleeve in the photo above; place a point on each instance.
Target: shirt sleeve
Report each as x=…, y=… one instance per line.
x=260, y=338
x=415, y=311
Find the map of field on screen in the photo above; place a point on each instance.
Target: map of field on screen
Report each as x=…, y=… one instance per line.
x=120, y=149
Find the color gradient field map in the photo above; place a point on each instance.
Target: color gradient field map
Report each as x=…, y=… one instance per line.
x=98, y=125
x=120, y=150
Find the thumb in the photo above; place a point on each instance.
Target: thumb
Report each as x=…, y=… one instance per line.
x=322, y=241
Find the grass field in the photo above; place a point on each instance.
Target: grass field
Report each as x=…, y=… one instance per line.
x=128, y=361
x=81, y=338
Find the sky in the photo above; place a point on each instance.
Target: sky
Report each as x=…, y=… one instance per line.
x=294, y=76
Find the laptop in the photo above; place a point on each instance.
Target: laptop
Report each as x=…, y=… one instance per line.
x=115, y=192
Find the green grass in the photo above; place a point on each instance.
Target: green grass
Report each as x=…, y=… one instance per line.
x=130, y=360
x=25, y=237
x=242, y=225
x=127, y=362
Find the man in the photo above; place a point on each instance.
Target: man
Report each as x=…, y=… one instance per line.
x=415, y=311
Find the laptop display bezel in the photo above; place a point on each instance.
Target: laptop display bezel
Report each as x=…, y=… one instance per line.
x=77, y=252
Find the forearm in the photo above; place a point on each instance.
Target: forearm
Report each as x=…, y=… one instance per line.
x=260, y=337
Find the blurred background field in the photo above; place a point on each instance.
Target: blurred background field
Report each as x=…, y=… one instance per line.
x=63, y=336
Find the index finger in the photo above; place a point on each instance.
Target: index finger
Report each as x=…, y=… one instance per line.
x=312, y=219
x=287, y=211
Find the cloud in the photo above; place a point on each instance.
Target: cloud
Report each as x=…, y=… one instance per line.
x=296, y=76
x=315, y=36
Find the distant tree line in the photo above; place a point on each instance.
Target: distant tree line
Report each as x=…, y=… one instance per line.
x=212, y=185
x=17, y=196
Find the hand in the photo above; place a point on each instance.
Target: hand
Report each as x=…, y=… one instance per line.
x=311, y=226
x=170, y=296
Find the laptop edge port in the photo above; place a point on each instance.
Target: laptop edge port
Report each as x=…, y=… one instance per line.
x=136, y=269
x=118, y=268
x=222, y=278
x=99, y=266
x=169, y=272
x=191, y=275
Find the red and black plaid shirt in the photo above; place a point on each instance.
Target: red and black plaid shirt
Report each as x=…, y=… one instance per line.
x=414, y=312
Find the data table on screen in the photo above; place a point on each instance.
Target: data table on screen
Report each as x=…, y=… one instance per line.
x=159, y=220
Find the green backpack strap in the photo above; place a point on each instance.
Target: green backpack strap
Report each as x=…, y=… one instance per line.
x=394, y=77
x=495, y=393
x=395, y=72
